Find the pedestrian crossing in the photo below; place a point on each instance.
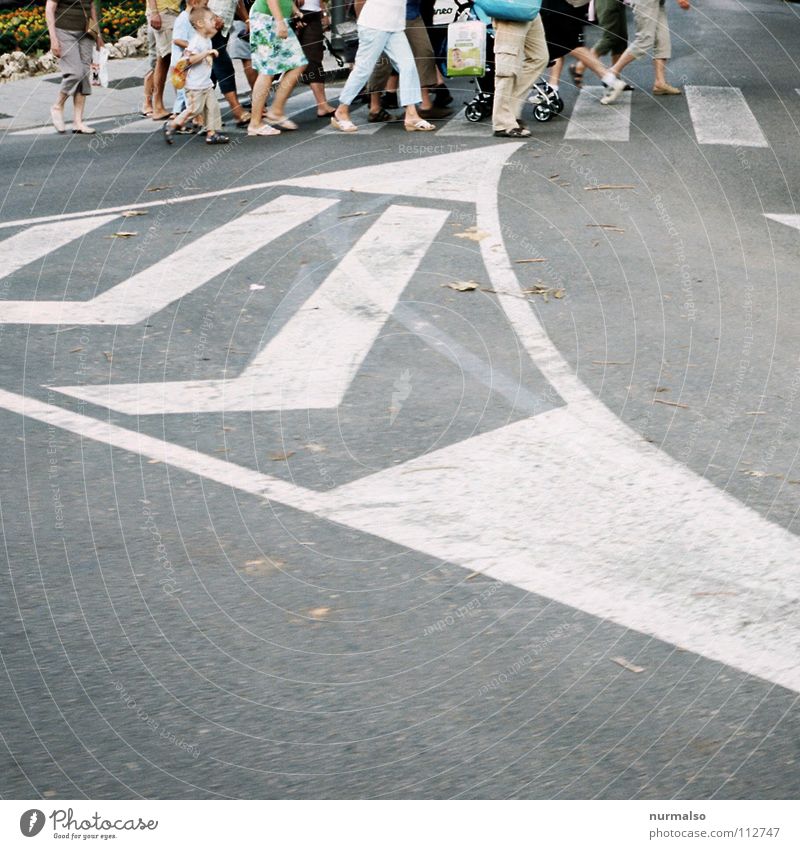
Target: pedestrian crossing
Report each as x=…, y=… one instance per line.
x=718, y=115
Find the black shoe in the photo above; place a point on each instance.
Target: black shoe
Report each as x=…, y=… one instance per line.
x=442, y=96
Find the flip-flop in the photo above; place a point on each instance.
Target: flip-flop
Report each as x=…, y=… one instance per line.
x=344, y=125
x=381, y=117
x=263, y=130
x=244, y=120
x=420, y=126
x=284, y=123
x=326, y=114
x=161, y=117
x=86, y=131
x=513, y=133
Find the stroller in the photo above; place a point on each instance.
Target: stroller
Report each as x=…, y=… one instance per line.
x=546, y=102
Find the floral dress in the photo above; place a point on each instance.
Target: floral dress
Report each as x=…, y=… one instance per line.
x=270, y=54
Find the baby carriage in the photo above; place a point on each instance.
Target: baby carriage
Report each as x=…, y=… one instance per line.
x=546, y=102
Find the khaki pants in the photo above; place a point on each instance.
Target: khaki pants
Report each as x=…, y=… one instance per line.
x=652, y=30
x=203, y=104
x=520, y=55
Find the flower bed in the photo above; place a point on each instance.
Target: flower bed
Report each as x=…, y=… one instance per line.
x=26, y=29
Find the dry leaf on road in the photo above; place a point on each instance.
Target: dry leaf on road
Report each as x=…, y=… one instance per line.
x=461, y=285
x=472, y=233
x=278, y=457
x=626, y=664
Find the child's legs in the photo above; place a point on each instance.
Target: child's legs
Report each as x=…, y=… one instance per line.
x=399, y=51
x=194, y=107
x=212, y=117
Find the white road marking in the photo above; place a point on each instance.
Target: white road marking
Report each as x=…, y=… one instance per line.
x=166, y=281
x=360, y=117
x=423, y=185
x=634, y=536
x=571, y=513
x=591, y=120
x=221, y=471
x=458, y=125
x=788, y=220
x=313, y=359
x=720, y=115
x=27, y=246
x=446, y=177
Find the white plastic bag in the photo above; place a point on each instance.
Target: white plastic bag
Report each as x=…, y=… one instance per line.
x=100, y=66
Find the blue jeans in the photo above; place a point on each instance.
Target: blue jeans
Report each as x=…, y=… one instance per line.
x=371, y=43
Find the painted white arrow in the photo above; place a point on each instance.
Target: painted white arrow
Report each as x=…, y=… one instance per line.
x=788, y=220
x=156, y=287
x=313, y=359
x=33, y=243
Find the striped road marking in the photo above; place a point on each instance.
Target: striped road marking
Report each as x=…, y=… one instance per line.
x=158, y=286
x=591, y=120
x=32, y=244
x=313, y=359
x=720, y=115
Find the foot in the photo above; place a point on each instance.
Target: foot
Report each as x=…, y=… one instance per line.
x=242, y=119
x=435, y=112
x=513, y=133
x=163, y=115
x=614, y=92
x=169, y=132
x=84, y=130
x=217, y=138
x=381, y=117
x=281, y=121
x=344, y=125
x=263, y=130
x=665, y=88
x=577, y=75
x=325, y=112
x=57, y=117
x=418, y=125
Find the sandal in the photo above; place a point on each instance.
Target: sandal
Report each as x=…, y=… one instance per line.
x=381, y=117
x=419, y=126
x=326, y=114
x=217, y=138
x=283, y=122
x=85, y=130
x=344, y=125
x=577, y=76
x=514, y=133
x=169, y=132
x=263, y=130
x=243, y=120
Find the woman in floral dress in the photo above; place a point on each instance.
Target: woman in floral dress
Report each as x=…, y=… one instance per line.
x=275, y=50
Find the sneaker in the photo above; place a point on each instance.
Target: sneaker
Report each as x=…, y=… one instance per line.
x=614, y=91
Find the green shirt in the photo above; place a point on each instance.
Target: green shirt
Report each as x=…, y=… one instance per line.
x=262, y=7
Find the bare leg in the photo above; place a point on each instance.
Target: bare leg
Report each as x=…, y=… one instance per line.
x=660, y=68
x=159, y=80
x=555, y=73
x=285, y=86
x=147, y=103
x=323, y=107
x=236, y=107
x=250, y=72
x=79, y=101
x=591, y=61
x=259, y=100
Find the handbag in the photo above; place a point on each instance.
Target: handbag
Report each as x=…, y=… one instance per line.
x=510, y=10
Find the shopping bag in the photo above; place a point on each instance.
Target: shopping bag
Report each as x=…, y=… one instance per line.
x=466, y=49
x=100, y=66
x=177, y=74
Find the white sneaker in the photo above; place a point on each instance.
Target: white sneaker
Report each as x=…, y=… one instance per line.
x=614, y=91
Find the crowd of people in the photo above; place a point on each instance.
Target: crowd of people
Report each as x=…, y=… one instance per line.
x=196, y=42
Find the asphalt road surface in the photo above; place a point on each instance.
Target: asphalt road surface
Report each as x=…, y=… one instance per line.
x=411, y=465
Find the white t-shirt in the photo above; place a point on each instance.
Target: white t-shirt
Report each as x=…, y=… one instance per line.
x=198, y=77
x=311, y=6
x=384, y=15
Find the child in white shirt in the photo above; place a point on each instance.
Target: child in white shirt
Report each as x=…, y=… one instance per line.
x=200, y=99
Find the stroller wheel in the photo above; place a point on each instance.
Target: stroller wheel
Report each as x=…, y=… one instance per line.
x=557, y=105
x=541, y=112
x=473, y=112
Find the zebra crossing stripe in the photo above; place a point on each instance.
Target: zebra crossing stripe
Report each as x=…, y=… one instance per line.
x=313, y=359
x=592, y=121
x=32, y=244
x=166, y=281
x=720, y=115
